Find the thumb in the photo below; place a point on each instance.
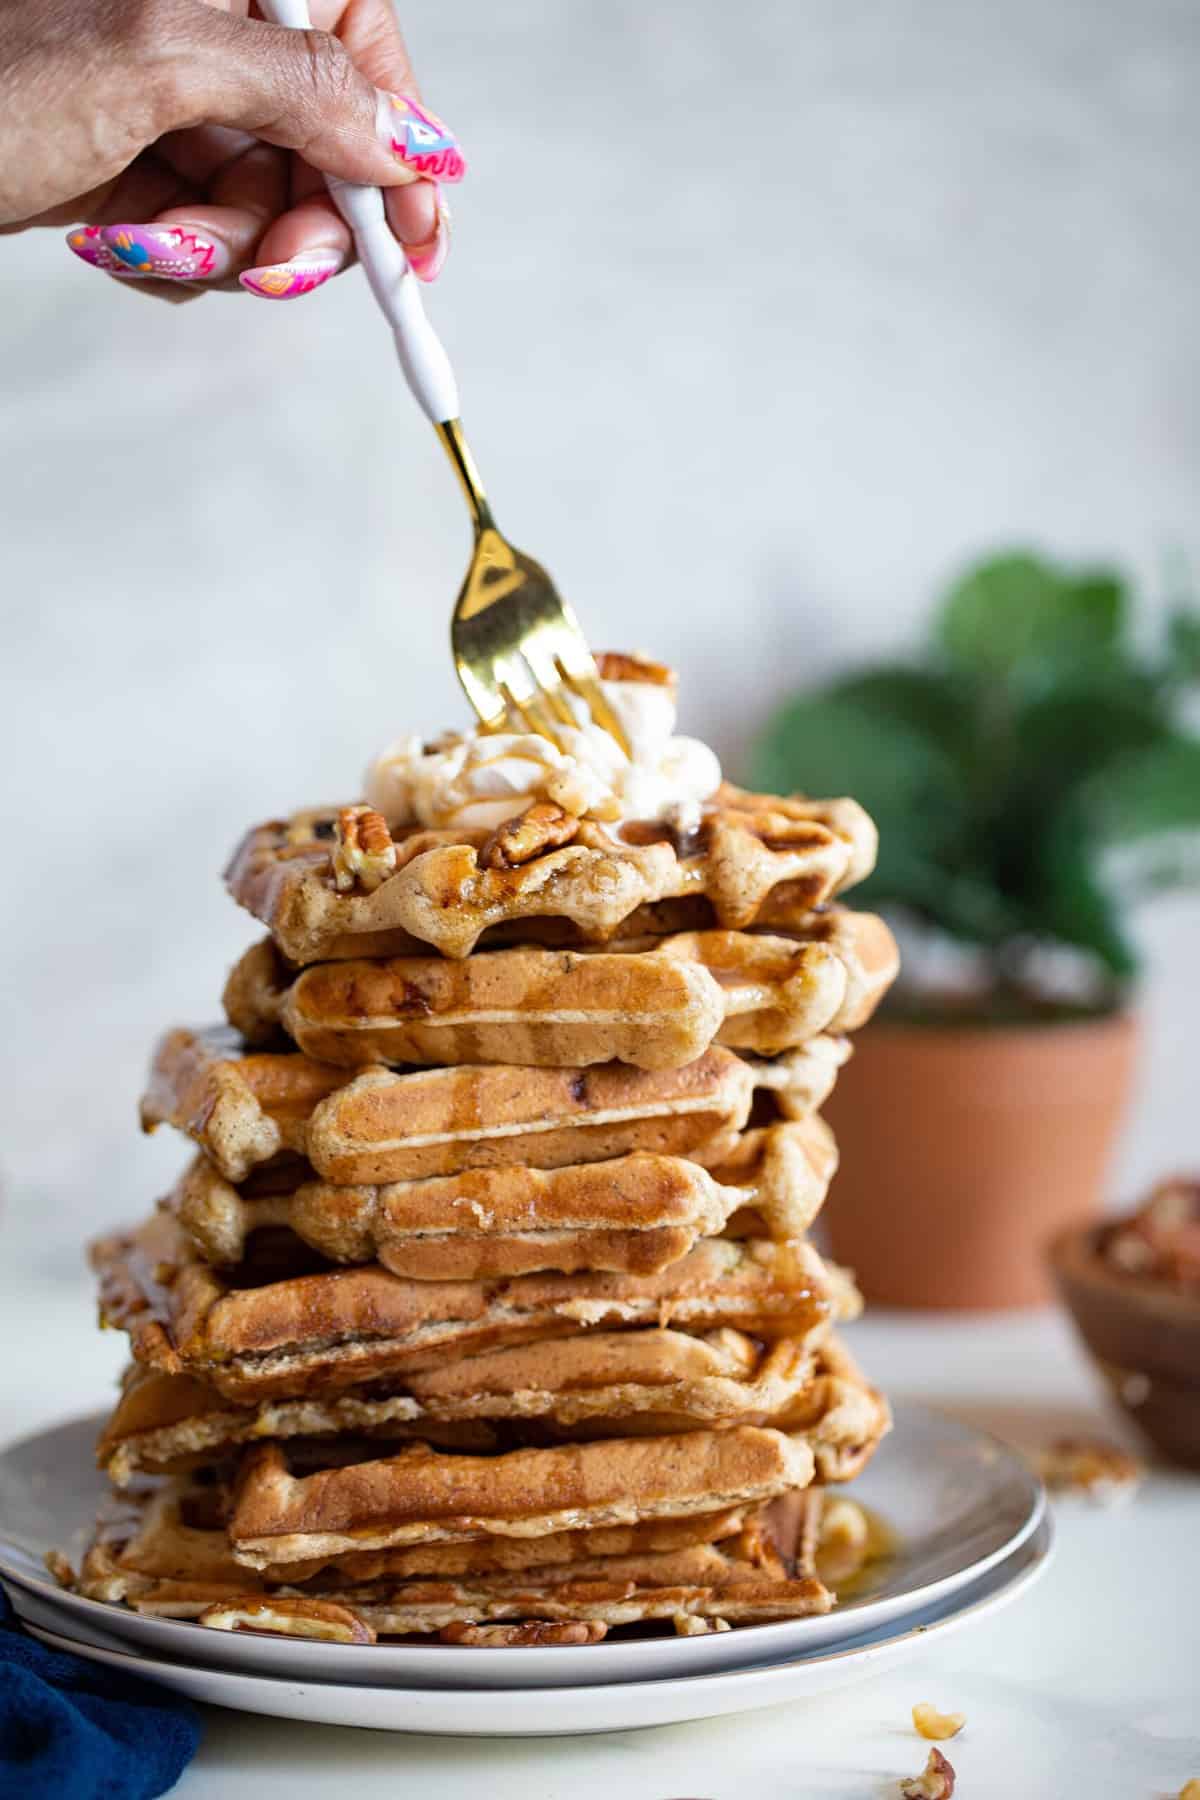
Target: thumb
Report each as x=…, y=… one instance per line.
x=300, y=90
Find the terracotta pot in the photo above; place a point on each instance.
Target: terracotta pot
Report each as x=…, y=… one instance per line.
x=964, y=1149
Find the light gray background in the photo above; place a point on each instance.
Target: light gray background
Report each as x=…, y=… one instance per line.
x=766, y=316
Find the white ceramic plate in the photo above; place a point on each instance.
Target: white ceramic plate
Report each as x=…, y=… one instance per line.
x=960, y=1502
x=554, y=1711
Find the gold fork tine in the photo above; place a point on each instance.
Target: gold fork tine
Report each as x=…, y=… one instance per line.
x=486, y=698
x=539, y=654
x=578, y=668
x=524, y=698
x=516, y=643
x=592, y=694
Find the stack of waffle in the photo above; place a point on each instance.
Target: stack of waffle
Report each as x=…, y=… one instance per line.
x=485, y=1306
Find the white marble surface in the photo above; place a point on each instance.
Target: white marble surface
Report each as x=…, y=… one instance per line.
x=1087, y=1689
x=765, y=317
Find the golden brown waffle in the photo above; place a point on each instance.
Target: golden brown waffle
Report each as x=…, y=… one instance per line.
x=784, y=1169
x=422, y=1495
x=656, y=1009
x=748, y=848
x=839, y=1414
x=247, y=1108
x=595, y=1383
x=794, y=1085
x=168, y=1554
x=636, y=1214
x=301, y=1334
x=174, y=1532
x=241, y=1107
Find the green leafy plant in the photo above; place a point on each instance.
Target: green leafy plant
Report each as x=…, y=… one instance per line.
x=1031, y=773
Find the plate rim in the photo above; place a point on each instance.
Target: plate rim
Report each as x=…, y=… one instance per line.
x=445, y=1661
x=1030, y=1562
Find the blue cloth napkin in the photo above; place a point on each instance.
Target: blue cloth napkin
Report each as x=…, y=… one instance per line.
x=76, y=1730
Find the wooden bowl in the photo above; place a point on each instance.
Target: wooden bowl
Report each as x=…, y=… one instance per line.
x=1144, y=1337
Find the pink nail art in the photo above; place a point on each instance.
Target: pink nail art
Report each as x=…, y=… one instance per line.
x=166, y=252
x=419, y=139
x=427, y=260
x=88, y=244
x=288, y=280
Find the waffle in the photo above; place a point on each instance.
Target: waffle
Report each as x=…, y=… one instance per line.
x=748, y=848
x=174, y=1530
x=795, y=1084
x=657, y=1009
x=168, y=1555
x=246, y=1108
x=242, y=1108
x=635, y=1214
x=784, y=1170
x=838, y=1413
x=422, y=1495
x=594, y=1383
x=292, y=1335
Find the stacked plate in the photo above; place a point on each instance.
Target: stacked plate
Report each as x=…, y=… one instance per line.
x=971, y=1534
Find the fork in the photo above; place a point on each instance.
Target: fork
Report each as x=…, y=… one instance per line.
x=517, y=645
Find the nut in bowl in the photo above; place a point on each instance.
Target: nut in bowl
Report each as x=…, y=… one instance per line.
x=1132, y=1286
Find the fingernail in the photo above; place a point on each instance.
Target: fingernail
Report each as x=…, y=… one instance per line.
x=166, y=252
x=300, y=275
x=427, y=260
x=88, y=244
x=418, y=139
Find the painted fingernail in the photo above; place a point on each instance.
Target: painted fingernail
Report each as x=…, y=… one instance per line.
x=300, y=275
x=427, y=260
x=89, y=246
x=418, y=139
x=166, y=252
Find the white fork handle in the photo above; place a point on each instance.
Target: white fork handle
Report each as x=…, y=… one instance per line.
x=424, y=362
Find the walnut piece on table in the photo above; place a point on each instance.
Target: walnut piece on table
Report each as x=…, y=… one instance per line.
x=933, y=1724
x=1100, y=1471
x=935, y=1782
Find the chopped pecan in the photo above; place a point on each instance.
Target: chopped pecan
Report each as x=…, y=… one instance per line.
x=621, y=665
x=933, y=1724
x=531, y=1633
x=540, y=827
x=60, y=1568
x=1091, y=1467
x=935, y=1782
x=286, y=1616
x=363, y=850
x=691, y=1625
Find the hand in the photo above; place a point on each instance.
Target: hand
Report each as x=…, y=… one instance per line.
x=192, y=139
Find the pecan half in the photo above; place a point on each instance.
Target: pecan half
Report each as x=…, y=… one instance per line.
x=363, y=850
x=540, y=827
x=531, y=1633
x=935, y=1782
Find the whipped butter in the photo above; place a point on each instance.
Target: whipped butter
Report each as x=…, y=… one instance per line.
x=479, y=779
